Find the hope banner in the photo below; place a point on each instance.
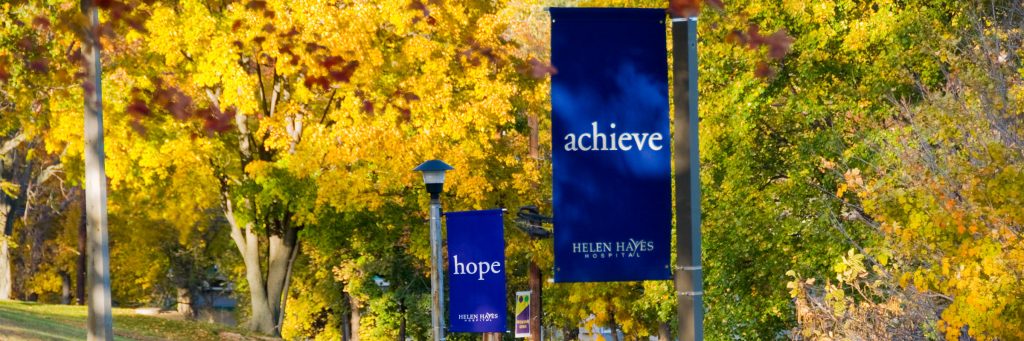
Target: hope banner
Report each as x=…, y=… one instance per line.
x=611, y=144
x=476, y=271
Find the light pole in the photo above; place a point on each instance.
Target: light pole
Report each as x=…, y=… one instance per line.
x=689, y=274
x=530, y=220
x=433, y=177
x=99, y=320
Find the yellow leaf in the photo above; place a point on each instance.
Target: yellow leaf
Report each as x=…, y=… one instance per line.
x=9, y=188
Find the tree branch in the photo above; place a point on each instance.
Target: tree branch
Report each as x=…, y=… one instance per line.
x=14, y=142
x=293, y=124
x=274, y=95
x=328, y=106
x=263, y=95
x=214, y=97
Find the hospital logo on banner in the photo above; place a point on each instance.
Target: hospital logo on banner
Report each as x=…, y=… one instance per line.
x=629, y=248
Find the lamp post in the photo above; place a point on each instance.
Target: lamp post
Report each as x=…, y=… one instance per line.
x=433, y=177
x=530, y=221
x=99, y=320
x=689, y=274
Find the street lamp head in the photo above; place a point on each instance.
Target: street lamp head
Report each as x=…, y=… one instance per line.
x=433, y=176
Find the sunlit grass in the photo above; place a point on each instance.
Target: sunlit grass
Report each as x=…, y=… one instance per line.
x=31, y=321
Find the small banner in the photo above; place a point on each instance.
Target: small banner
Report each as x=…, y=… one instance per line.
x=476, y=271
x=522, y=314
x=611, y=144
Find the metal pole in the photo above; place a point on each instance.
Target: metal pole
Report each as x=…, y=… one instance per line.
x=99, y=316
x=437, y=269
x=688, y=274
x=82, y=252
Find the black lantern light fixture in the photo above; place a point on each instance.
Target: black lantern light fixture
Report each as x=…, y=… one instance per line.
x=433, y=176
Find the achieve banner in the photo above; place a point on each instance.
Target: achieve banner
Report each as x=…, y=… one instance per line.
x=611, y=144
x=476, y=271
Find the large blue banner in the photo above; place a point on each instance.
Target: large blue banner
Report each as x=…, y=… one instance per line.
x=611, y=144
x=476, y=271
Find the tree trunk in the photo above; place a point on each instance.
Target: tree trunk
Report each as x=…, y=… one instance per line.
x=354, y=317
x=287, y=285
x=265, y=296
x=14, y=169
x=614, y=326
x=572, y=333
x=280, y=254
x=262, y=316
x=664, y=332
x=266, y=293
x=6, y=281
x=346, y=330
x=185, y=304
x=65, y=287
x=5, y=269
x=401, y=325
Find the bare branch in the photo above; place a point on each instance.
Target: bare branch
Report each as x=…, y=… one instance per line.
x=14, y=142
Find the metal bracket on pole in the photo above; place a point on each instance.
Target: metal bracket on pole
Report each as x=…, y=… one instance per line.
x=689, y=268
x=690, y=293
x=684, y=19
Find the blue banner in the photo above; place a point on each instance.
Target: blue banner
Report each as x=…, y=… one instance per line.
x=476, y=271
x=611, y=144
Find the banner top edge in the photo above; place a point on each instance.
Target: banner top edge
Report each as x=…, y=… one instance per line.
x=684, y=19
x=499, y=211
x=607, y=13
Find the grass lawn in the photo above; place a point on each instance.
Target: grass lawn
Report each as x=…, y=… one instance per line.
x=31, y=321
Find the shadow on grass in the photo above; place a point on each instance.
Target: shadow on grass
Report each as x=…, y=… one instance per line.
x=19, y=326
x=32, y=321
